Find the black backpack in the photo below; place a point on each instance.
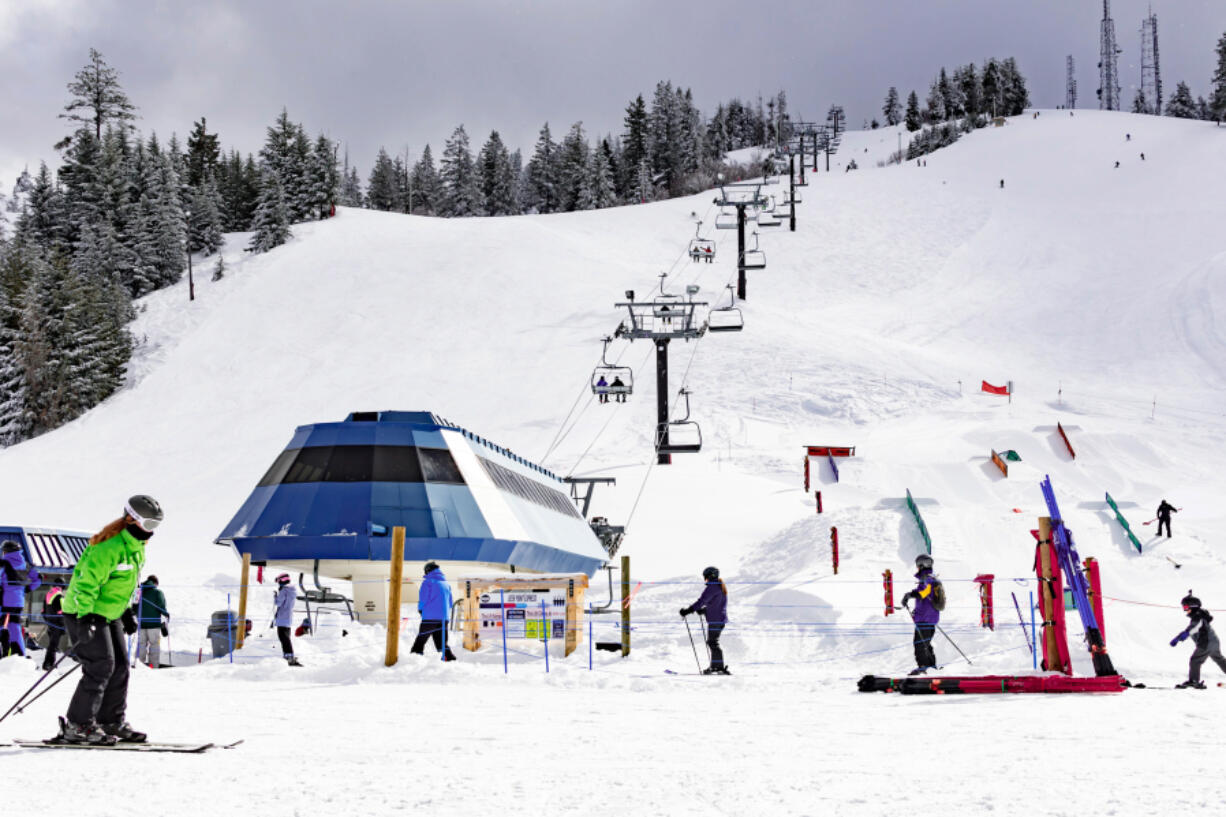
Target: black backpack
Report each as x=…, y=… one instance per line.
x=938, y=595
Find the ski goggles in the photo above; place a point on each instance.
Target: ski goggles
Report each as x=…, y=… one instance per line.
x=147, y=524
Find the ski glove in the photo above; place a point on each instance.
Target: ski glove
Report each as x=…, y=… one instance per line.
x=129, y=622
x=1179, y=638
x=165, y=631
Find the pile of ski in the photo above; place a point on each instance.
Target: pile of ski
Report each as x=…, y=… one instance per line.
x=183, y=748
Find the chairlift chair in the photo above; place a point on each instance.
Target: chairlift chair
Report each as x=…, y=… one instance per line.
x=726, y=318
x=617, y=380
x=797, y=198
x=701, y=249
x=725, y=220
x=754, y=258
x=767, y=217
x=687, y=430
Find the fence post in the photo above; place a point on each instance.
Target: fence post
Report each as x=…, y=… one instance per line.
x=818, y=494
x=396, y=575
x=545, y=631
x=242, y=601
x=589, y=636
x=1034, y=654
x=502, y=602
x=625, y=606
x=834, y=547
x=229, y=629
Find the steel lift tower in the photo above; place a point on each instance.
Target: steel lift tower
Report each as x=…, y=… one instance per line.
x=1108, y=63
x=1151, y=77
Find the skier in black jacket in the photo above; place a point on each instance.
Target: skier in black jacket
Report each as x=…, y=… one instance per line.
x=1164, y=517
x=713, y=603
x=1207, y=645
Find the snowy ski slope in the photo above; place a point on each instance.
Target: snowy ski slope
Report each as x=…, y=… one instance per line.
x=1096, y=290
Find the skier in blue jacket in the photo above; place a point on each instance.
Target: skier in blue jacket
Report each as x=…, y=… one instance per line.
x=713, y=603
x=927, y=613
x=15, y=576
x=1206, y=641
x=434, y=605
x=284, y=618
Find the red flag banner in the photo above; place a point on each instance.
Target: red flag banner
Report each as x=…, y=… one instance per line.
x=990, y=389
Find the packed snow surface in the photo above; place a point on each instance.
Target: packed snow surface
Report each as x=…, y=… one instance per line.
x=1095, y=290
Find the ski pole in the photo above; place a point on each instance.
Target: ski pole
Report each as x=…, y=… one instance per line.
x=22, y=703
x=50, y=687
x=951, y=641
x=703, y=621
x=697, y=663
x=1022, y=623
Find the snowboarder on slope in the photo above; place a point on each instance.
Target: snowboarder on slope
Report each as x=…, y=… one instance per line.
x=434, y=604
x=15, y=575
x=150, y=613
x=713, y=603
x=926, y=615
x=1164, y=517
x=1207, y=645
x=284, y=618
x=96, y=615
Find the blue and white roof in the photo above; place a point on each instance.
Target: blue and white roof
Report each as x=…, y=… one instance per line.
x=338, y=489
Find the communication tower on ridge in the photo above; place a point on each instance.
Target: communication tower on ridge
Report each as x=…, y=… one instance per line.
x=1070, y=85
x=1108, y=63
x=1151, y=76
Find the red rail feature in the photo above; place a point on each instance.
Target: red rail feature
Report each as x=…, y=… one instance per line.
x=1067, y=444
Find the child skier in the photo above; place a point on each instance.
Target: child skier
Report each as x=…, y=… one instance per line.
x=284, y=618
x=929, y=597
x=1207, y=645
x=713, y=603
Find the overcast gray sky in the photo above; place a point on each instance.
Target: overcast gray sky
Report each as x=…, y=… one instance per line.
x=401, y=73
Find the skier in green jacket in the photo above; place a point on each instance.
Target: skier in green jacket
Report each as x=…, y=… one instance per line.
x=96, y=615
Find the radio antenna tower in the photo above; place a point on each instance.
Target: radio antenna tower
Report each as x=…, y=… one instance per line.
x=1151, y=77
x=1108, y=64
x=1070, y=85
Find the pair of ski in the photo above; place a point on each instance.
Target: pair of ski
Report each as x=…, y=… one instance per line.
x=180, y=748
x=674, y=672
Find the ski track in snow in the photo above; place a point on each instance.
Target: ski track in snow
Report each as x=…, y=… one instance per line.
x=1095, y=290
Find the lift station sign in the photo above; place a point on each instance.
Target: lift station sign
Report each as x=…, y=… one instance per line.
x=524, y=614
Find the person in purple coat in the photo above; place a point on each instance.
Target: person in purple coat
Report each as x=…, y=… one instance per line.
x=15, y=576
x=713, y=603
x=927, y=614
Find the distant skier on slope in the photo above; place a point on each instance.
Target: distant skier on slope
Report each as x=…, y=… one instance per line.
x=15, y=575
x=284, y=617
x=434, y=604
x=96, y=615
x=1164, y=517
x=713, y=603
x=1207, y=644
x=929, y=597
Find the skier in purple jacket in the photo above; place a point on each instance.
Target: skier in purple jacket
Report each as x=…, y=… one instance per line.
x=15, y=576
x=926, y=614
x=713, y=603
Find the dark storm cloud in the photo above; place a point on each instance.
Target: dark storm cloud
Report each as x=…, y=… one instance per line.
x=401, y=74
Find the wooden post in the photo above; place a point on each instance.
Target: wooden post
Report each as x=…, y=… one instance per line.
x=393, y=597
x=472, y=616
x=572, y=618
x=242, y=601
x=625, y=606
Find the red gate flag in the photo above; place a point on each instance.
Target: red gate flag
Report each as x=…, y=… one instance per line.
x=990, y=389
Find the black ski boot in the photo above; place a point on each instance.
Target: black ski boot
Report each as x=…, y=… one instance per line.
x=918, y=671
x=90, y=733
x=1191, y=685
x=124, y=732
x=293, y=662
x=716, y=671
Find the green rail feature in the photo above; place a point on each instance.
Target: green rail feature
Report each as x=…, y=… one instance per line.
x=919, y=520
x=1119, y=517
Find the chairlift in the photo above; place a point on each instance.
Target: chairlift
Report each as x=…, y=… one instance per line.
x=767, y=217
x=610, y=379
x=725, y=220
x=783, y=208
x=701, y=249
x=754, y=258
x=726, y=318
x=796, y=197
x=685, y=430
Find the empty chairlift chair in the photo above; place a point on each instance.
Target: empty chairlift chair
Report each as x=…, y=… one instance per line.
x=701, y=249
x=755, y=258
x=725, y=219
x=608, y=379
x=726, y=318
x=767, y=217
x=679, y=436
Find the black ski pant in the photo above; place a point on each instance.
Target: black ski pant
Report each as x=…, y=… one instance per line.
x=925, y=655
x=287, y=646
x=1213, y=649
x=102, y=693
x=1167, y=522
x=714, y=630
x=55, y=631
x=431, y=629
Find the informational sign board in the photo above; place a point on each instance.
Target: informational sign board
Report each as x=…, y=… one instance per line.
x=523, y=614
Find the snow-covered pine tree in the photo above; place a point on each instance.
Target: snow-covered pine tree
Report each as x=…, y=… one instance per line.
x=297, y=180
x=203, y=154
x=219, y=269
x=992, y=85
x=913, y=112
x=1014, y=95
x=574, y=174
x=542, y=172
x=967, y=80
x=12, y=381
x=1217, y=104
x=381, y=187
x=634, y=145
x=43, y=223
x=204, y=224
x=350, y=194
x=271, y=221
x=1139, y=103
x=496, y=178
x=664, y=136
x=604, y=193
x=79, y=177
x=169, y=223
x=424, y=185
x=892, y=109
x=934, y=108
x=97, y=97
x=1181, y=105
x=324, y=177
x=460, y=196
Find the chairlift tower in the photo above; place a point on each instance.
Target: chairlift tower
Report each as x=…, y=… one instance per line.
x=741, y=195
x=1108, y=63
x=1070, y=83
x=662, y=320
x=1151, y=77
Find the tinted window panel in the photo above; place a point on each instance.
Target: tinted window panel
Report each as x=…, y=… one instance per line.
x=437, y=465
x=363, y=463
x=276, y=474
x=396, y=464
